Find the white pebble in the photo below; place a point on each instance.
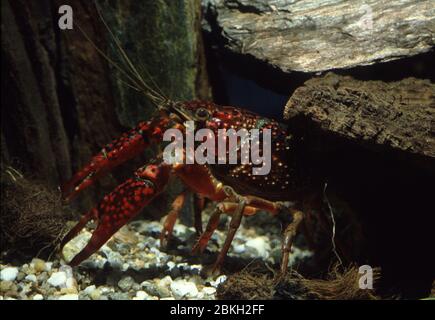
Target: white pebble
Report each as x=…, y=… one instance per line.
x=166, y=281
x=141, y=295
x=88, y=290
x=75, y=245
x=67, y=269
x=196, y=268
x=69, y=297
x=57, y=279
x=218, y=281
x=261, y=245
x=180, y=230
x=71, y=283
x=8, y=274
x=104, y=290
x=38, y=297
x=209, y=290
x=48, y=266
x=31, y=278
x=239, y=248
x=95, y=295
x=183, y=289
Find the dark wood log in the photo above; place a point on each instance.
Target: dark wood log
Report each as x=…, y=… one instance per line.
x=396, y=115
x=31, y=121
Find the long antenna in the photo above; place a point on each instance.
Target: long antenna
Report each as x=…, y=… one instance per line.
x=133, y=77
x=147, y=89
x=114, y=64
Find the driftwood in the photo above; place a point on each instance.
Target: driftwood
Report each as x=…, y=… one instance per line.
x=313, y=36
x=400, y=115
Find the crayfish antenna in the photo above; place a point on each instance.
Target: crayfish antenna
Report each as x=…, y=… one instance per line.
x=156, y=96
x=132, y=78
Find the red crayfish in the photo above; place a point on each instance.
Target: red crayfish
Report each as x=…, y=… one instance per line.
x=236, y=190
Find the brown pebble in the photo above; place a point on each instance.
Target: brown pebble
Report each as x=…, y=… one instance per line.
x=71, y=290
x=5, y=286
x=38, y=265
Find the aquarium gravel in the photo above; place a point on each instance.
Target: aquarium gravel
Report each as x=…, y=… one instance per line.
x=131, y=266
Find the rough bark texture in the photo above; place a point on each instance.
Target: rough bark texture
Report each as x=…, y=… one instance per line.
x=61, y=102
x=398, y=115
x=30, y=111
x=312, y=36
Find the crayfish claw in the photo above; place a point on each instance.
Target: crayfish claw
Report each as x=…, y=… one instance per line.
x=127, y=146
x=119, y=207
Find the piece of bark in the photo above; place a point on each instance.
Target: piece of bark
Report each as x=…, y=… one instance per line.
x=322, y=35
x=31, y=124
x=398, y=115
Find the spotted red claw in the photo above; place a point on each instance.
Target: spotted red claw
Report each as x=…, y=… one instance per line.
x=119, y=207
x=124, y=148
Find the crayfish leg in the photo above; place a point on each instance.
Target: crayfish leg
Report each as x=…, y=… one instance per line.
x=199, y=204
x=289, y=234
x=212, y=224
x=171, y=218
x=236, y=219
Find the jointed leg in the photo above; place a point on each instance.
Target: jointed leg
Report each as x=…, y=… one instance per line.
x=171, y=218
x=288, y=236
x=212, y=224
x=231, y=203
x=236, y=219
x=199, y=203
x=237, y=206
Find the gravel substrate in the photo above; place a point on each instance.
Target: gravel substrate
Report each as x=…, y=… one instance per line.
x=131, y=266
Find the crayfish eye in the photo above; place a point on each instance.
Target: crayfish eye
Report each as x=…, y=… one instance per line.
x=202, y=114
